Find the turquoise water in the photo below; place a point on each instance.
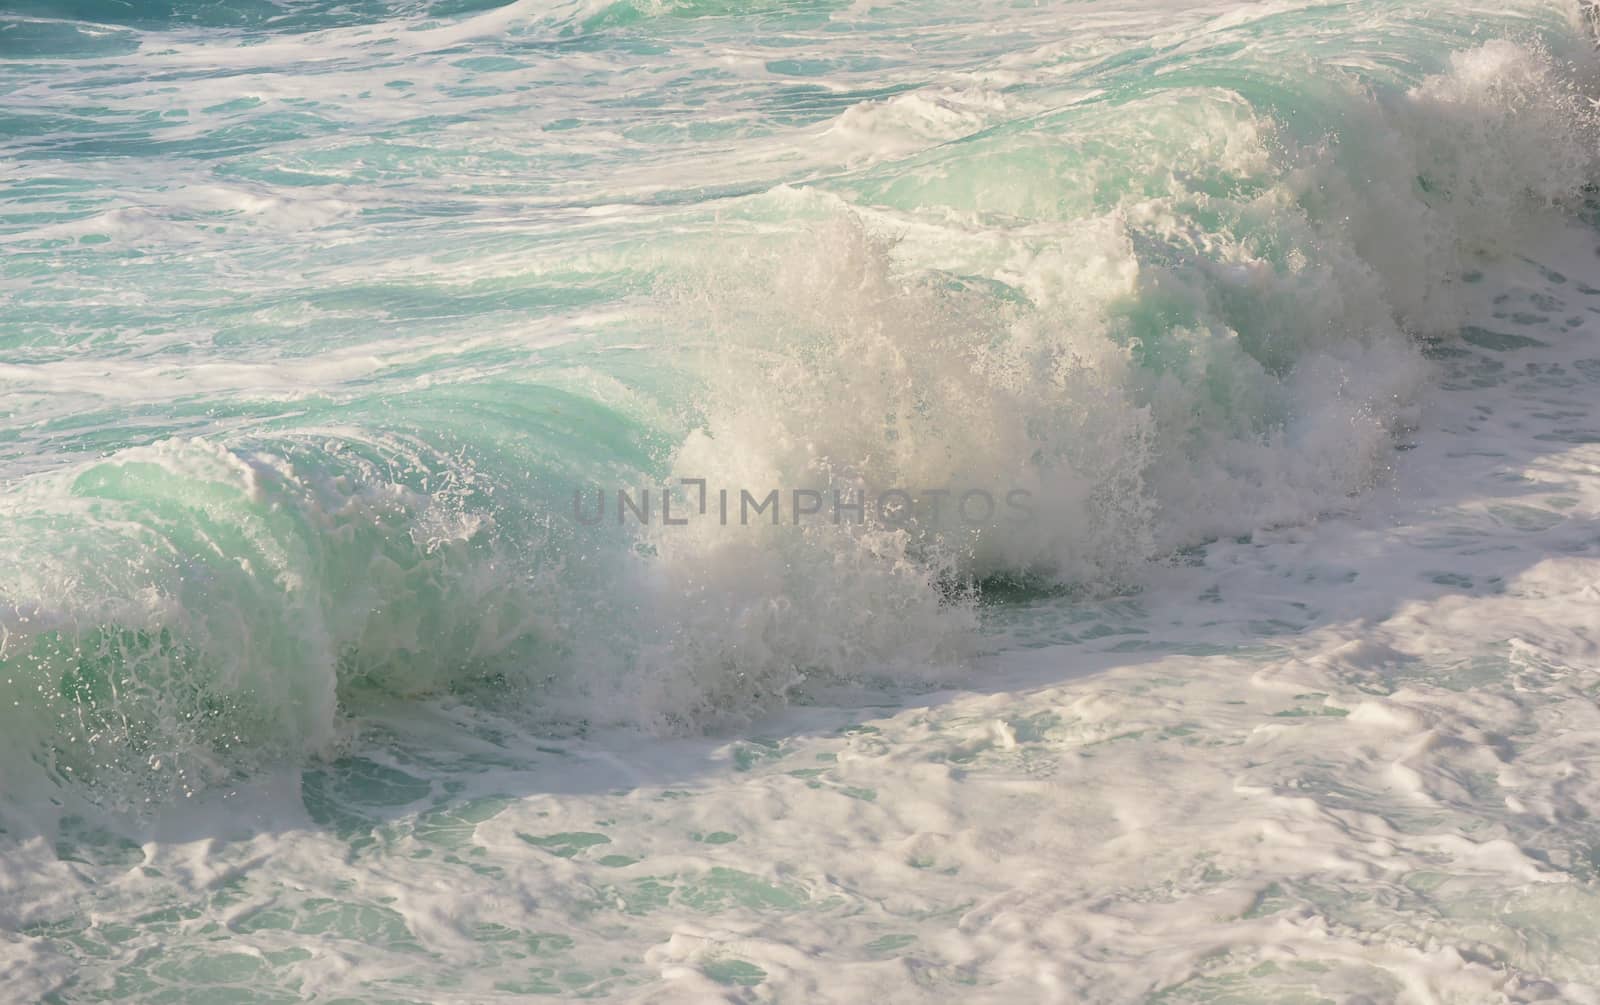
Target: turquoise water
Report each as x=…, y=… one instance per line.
x=316, y=316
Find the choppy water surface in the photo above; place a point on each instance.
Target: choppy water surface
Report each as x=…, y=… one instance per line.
x=315, y=315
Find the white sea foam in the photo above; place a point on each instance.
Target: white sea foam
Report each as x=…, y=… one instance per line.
x=312, y=326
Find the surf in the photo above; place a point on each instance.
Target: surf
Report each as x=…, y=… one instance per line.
x=1174, y=291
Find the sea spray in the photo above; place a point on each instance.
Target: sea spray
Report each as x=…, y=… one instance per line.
x=1173, y=295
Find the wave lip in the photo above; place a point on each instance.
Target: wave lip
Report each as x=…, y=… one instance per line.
x=1181, y=305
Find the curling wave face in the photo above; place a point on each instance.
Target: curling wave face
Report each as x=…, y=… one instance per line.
x=318, y=317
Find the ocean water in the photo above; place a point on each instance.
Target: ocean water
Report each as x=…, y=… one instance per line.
x=1270, y=329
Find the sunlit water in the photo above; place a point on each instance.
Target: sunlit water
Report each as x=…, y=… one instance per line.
x=1282, y=316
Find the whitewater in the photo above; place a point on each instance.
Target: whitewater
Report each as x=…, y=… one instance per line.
x=372, y=375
